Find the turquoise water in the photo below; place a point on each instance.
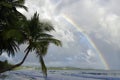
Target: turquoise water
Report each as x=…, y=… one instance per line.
x=61, y=75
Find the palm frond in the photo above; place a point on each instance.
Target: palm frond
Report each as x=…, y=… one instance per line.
x=20, y=1
x=12, y=48
x=13, y=33
x=42, y=35
x=9, y=46
x=42, y=48
x=51, y=40
x=5, y=4
x=46, y=26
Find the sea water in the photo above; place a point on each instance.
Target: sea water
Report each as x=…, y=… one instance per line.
x=61, y=75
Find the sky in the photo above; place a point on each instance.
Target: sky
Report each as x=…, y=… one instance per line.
x=88, y=29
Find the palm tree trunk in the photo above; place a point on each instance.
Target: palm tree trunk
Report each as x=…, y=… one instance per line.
x=17, y=65
x=44, y=69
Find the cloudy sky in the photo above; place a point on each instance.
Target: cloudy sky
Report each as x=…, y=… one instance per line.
x=88, y=29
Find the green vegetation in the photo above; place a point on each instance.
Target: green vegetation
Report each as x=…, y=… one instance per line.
x=56, y=68
x=15, y=30
x=4, y=64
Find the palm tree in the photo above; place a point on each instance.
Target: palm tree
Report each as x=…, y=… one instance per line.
x=11, y=22
x=15, y=29
x=38, y=40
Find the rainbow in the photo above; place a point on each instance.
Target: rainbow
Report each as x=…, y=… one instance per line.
x=68, y=19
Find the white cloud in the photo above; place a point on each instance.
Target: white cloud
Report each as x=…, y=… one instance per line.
x=98, y=18
x=4, y=57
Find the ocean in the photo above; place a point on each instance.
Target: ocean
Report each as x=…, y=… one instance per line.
x=32, y=74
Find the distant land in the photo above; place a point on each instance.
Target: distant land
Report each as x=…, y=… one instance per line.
x=56, y=68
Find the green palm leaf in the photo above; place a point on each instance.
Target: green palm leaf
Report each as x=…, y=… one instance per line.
x=51, y=40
